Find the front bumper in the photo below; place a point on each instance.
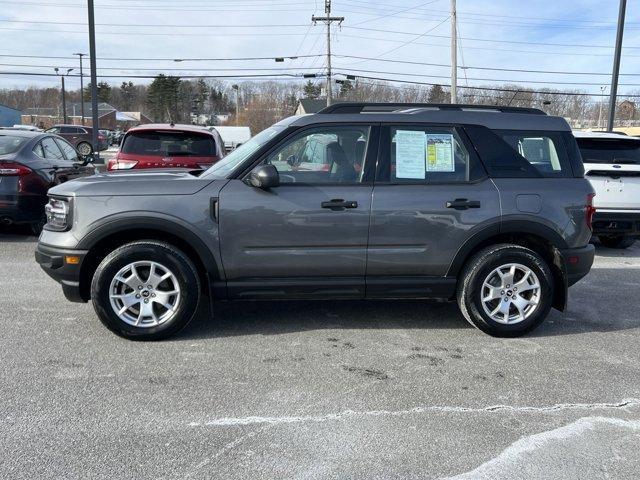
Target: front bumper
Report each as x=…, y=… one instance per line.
x=616, y=223
x=53, y=261
x=577, y=262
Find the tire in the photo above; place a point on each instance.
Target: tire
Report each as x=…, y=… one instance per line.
x=84, y=149
x=616, y=241
x=535, y=303
x=114, y=286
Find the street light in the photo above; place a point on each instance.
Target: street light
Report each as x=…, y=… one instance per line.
x=80, y=55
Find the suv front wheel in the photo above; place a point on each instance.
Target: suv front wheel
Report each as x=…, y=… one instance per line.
x=145, y=290
x=505, y=290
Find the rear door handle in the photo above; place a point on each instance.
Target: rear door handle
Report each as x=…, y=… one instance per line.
x=339, y=204
x=463, y=204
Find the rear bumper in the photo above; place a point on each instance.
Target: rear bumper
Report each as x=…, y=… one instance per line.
x=616, y=223
x=53, y=261
x=577, y=262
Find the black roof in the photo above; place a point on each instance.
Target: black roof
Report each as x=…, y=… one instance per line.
x=494, y=117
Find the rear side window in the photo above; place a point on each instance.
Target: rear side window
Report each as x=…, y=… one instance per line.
x=69, y=130
x=609, y=150
x=545, y=151
x=50, y=149
x=169, y=144
x=428, y=154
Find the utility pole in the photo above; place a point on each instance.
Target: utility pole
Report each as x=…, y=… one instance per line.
x=328, y=20
x=80, y=55
x=454, y=53
x=63, y=93
x=616, y=65
x=94, y=80
x=237, y=89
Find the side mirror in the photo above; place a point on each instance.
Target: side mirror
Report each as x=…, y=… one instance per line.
x=86, y=159
x=264, y=176
x=292, y=160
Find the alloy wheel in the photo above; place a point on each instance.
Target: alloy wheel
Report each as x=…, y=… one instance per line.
x=510, y=293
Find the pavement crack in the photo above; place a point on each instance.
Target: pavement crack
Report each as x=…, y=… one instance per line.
x=346, y=414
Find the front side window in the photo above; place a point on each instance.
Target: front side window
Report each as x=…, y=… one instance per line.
x=54, y=130
x=427, y=155
x=323, y=155
x=69, y=152
x=545, y=151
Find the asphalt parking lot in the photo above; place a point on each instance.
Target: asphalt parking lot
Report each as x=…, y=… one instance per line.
x=313, y=390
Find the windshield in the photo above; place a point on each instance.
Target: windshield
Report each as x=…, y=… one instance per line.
x=240, y=154
x=609, y=150
x=11, y=144
x=169, y=144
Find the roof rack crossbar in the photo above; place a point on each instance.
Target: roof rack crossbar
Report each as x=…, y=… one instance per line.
x=360, y=107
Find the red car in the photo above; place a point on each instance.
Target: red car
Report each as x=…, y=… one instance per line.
x=168, y=146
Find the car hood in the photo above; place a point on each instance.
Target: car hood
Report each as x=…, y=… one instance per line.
x=138, y=182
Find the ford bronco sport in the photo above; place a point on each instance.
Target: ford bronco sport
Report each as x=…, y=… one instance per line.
x=485, y=205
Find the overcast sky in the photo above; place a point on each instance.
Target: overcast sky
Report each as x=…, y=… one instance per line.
x=550, y=35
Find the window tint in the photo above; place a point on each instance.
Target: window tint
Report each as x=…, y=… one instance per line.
x=545, y=151
x=169, y=144
x=333, y=154
x=69, y=130
x=422, y=154
x=609, y=150
x=51, y=150
x=69, y=152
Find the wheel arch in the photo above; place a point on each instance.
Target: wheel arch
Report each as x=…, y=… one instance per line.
x=534, y=235
x=106, y=237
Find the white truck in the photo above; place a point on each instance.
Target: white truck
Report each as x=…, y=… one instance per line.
x=233, y=137
x=612, y=165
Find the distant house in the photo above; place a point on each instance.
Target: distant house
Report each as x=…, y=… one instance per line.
x=310, y=105
x=9, y=116
x=627, y=110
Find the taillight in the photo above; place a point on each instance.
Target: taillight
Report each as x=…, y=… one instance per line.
x=590, y=210
x=12, y=169
x=121, y=164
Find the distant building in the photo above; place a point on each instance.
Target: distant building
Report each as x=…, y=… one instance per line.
x=310, y=105
x=108, y=116
x=9, y=116
x=627, y=110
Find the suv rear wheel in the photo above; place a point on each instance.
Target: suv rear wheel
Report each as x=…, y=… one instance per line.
x=505, y=290
x=616, y=241
x=85, y=149
x=145, y=290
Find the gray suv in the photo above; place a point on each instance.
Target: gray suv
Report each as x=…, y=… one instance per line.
x=485, y=205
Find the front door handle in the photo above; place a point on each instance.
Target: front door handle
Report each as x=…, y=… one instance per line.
x=339, y=204
x=463, y=204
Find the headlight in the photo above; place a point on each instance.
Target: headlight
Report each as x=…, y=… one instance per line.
x=58, y=214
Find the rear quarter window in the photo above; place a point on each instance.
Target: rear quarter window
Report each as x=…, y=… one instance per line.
x=169, y=144
x=545, y=151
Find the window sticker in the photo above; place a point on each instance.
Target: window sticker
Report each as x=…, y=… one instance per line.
x=410, y=146
x=440, y=153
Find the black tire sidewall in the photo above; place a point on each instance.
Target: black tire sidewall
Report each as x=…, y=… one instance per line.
x=472, y=293
x=616, y=241
x=173, y=259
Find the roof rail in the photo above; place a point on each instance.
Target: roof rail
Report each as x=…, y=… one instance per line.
x=370, y=107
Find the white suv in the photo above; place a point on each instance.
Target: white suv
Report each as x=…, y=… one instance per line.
x=612, y=165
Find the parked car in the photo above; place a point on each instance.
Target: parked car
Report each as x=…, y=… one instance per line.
x=117, y=137
x=30, y=164
x=80, y=138
x=485, y=205
x=612, y=165
x=168, y=146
